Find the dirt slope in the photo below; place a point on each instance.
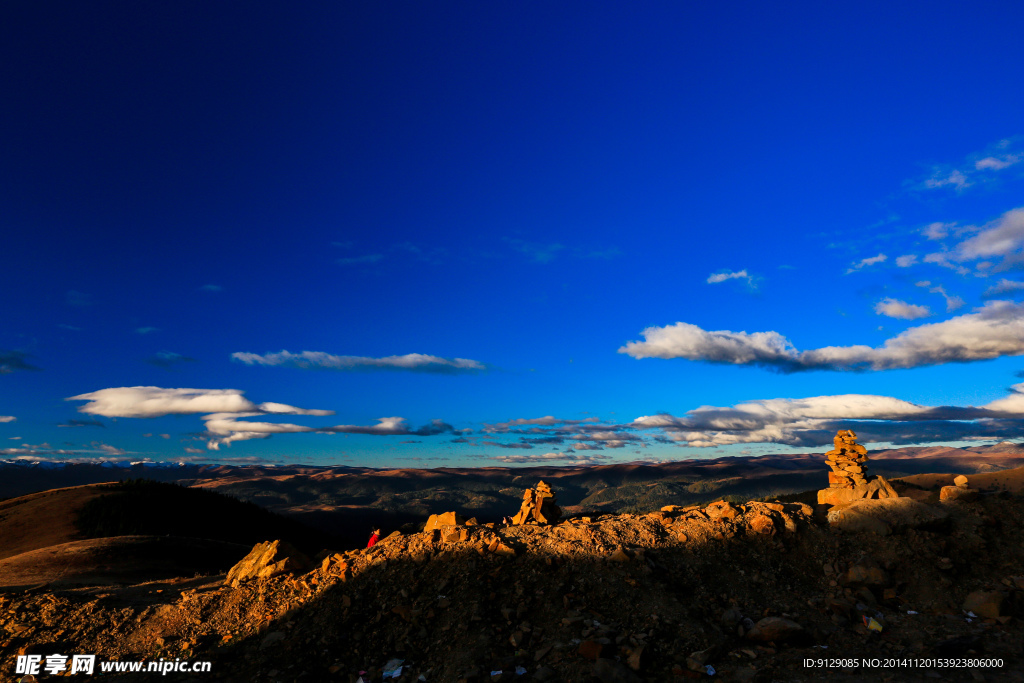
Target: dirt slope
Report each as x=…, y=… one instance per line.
x=43, y=519
x=118, y=560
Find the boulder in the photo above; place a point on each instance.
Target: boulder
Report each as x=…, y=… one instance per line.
x=267, y=559
x=854, y=521
x=721, y=510
x=875, y=489
x=774, y=630
x=985, y=603
x=611, y=671
x=697, y=660
x=636, y=659
x=762, y=524
x=539, y=506
x=884, y=515
x=619, y=555
x=865, y=575
x=957, y=494
x=271, y=639
x=544, y=673
x=336, y=564
x=590, y=649
x=961, y=481
x=504, y=550
x=444, y=519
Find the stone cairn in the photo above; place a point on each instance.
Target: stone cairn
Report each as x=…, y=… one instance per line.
x=848, y=461
x=848, y=481
x=539, y=507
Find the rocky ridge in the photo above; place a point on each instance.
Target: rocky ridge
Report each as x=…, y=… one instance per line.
x=748, y=590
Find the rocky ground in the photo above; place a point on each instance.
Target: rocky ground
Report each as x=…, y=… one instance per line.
x=751, y=591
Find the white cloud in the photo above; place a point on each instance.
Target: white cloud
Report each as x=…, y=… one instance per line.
x=952, y=302
x=998, y=245
x=588, y=434
x=942, y=259
x=978, y=167
x=992, y=331
x=1003, y=287
x=365, y=259
x=224, y=412
x=7, y=418
x=94, y=452
x=906, y=261
x=1010, y=406
x=238, y=430
x=538, y=253
x=942, y=178
x=1001, y=238
x=894, y=308
x=863, y=263
x=729, y=275
x=157, y=402
x=997, y=163
x=813, y=421
x=415, y=362
x=546, y=421
x=227, y=427
x=550, y=458
x=684, y=340
x=937, y=231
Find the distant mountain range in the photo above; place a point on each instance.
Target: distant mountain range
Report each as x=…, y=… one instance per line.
x=348, y=501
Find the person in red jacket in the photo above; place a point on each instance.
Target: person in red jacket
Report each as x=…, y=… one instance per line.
x=373, y=538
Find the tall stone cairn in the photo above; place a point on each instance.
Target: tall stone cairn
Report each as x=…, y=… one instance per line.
x=848, y=461
x=848, y=479
x=539, y=507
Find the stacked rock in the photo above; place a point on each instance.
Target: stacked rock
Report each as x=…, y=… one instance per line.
x=539, y=507
x=848, y=461
x=848, y=479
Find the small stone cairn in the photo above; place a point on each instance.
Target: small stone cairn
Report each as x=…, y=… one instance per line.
x=539, y=507
x=848, y=481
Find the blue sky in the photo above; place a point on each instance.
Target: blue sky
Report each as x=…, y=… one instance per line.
x=507, y=233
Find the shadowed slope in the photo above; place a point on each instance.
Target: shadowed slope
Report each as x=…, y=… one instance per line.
x=123, y=559
x=43, y=519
